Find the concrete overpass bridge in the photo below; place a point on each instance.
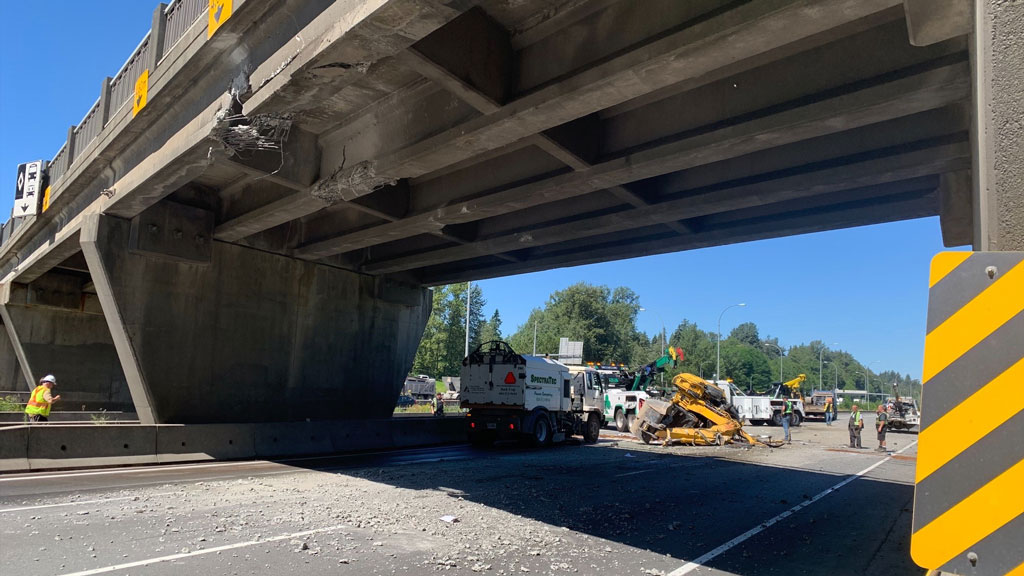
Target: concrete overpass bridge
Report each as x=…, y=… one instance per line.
x=243, y=227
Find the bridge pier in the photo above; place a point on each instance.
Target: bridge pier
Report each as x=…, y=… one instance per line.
x=55, y=326
x=210, y=332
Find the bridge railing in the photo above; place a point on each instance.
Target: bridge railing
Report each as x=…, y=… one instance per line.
x=170, y=24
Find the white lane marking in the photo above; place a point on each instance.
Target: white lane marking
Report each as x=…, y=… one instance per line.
x=163, y=468
x=80, y=502
x=172, y=557
x=699, y=561
x=637, y=472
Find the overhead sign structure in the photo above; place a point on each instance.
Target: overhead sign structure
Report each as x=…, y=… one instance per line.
x=570, y=352
x=26, y=193
x=969, y=494
x=220, y=11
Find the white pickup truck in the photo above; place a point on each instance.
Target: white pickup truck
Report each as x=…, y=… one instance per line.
x=519, y=397
x=755, y=409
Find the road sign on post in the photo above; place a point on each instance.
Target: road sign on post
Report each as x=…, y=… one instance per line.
x=969, y=495
x=26, y=193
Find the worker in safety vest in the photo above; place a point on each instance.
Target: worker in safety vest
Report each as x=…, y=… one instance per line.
x=787, y=416
x=829, y=416
x=438, y=405
x=856, y=424
x=38, y=407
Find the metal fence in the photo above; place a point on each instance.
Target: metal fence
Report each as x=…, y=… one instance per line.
x=180, y=16
x=122, y=87
x=89, y=128
x=177, y=18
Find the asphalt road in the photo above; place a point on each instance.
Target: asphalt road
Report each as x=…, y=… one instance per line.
x=618, y=507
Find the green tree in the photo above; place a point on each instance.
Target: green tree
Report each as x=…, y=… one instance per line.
x=746, y=333
x=442, y=347
x=491, y=329
x=603, y=319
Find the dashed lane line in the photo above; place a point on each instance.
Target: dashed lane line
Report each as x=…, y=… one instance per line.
x=699, y=561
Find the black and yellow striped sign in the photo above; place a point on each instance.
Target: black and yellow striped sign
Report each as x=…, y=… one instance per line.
x=969, y=499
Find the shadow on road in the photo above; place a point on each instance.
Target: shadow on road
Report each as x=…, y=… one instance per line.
x=684, y=505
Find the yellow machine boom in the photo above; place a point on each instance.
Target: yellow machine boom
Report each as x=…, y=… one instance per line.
x=697, y=414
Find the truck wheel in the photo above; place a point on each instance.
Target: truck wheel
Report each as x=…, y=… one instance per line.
x=796, y=419
x=630, y=419
x=541, y=431
x=593, y=429
x=777, y=419
x=620, y=420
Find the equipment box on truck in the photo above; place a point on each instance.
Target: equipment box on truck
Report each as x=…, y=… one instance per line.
x=512, y=397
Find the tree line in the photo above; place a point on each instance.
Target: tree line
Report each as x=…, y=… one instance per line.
x=604, y=319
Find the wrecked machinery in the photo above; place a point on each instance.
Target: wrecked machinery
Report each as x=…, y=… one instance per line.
x=699, y=414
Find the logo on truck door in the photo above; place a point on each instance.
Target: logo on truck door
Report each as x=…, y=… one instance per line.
x=534, y=379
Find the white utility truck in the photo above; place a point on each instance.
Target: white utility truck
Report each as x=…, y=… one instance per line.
x=518, y=397
x=755, y=409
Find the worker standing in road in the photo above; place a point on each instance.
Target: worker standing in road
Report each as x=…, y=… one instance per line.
x=856, y=424
x=881, y=424
x=438, y=405
x=787, y=415
x=829, y=416
x=39, y=403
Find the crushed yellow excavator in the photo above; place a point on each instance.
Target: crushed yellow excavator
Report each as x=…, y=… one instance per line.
x=698, y=414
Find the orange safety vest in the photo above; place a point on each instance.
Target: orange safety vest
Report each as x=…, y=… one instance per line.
x=37, y=404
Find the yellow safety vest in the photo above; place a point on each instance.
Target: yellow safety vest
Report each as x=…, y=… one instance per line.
x=37, y=405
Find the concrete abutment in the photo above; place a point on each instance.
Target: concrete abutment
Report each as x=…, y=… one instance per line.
x=210, y=332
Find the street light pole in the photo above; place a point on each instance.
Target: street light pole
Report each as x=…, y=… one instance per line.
x=469, y=292
x=534, y=337
x=718, y=342
x=820, y=352
x=780, y=357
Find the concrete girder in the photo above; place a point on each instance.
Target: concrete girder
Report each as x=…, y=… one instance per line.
x=487, y=104
x=343, y=42
x=917, y=204
x=904, y=96
x=935, y=160
x=931, y=21
x=732, y=35
x=690, y=53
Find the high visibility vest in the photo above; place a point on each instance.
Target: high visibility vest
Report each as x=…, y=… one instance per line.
x=36, y=403
x=855, y=419
x=789, y=407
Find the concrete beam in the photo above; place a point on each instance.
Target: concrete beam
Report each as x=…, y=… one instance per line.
x=904, y=96
x=828, y=181
x=735, y=34
x=63, y=247
x=918, y=204
x=340, y=46
x=931, y=21
x=956, y=217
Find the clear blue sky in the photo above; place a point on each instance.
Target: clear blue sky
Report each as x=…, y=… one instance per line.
x=865, y=288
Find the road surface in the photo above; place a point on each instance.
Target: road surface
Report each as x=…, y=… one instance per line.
x=617, y=507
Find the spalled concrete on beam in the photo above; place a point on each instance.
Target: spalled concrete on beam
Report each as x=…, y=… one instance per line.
x=253, y=336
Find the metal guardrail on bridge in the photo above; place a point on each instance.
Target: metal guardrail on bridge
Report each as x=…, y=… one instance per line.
x=170, y=23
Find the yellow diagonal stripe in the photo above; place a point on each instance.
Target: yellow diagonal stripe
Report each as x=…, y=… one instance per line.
x=972, y=420
x=967, y=523
x=943, y=263
x=1018, y=571
x=976, y=320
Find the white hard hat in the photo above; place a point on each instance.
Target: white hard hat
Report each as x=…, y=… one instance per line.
x=49, y=378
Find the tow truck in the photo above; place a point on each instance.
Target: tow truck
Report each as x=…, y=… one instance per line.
x=628, y=390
